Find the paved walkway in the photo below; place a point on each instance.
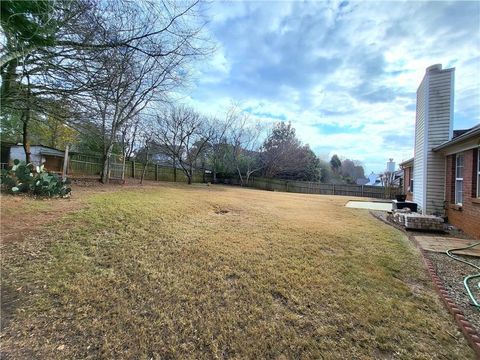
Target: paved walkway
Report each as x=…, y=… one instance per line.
x=370, y=205
x=442, y=244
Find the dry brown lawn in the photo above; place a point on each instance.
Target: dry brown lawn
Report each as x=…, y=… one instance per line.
x=197, y=272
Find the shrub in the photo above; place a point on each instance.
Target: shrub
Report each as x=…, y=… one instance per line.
x=25, y=178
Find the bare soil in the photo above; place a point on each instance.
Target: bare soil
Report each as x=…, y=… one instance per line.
x=21, y=215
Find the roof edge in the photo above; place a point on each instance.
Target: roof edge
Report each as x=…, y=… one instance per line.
x=406, y=162
x=465, y=136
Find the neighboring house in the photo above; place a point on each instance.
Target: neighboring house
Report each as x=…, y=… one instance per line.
x=443, y=176
x=50, y=157
x=394, y=178
x=407, y=167
x=390, y=177
x=374, y=180
x=361, y=181
x=462, y=183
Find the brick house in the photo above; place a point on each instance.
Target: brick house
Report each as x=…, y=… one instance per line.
x=443, y=177
x=407, y=167
x=462, y=180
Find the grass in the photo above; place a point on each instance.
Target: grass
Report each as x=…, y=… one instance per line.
x=216, y=272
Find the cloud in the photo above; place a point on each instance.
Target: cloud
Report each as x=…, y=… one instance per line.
x=330, y=67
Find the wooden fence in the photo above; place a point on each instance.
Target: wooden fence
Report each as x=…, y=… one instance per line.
x=91, y=165
x=306, y=187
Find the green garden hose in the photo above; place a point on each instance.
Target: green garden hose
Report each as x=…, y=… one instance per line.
x=469, y=277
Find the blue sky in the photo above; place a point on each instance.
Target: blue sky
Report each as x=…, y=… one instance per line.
x=344, y=73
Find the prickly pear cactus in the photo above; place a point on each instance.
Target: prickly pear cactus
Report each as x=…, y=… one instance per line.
x=25, y=178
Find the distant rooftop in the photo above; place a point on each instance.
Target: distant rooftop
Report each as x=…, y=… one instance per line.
x=460, y=135
x=457, y=133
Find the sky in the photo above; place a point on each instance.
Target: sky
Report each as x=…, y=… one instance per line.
x=344, y=73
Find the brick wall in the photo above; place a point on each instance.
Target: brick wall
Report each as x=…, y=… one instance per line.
x=408, y=174
x=466, y=217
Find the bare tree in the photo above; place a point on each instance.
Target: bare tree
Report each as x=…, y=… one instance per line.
x=244, y=139
x=185, y=135
x=58, y=51
x=218, y=147
x=147, y=141
x=154, y=28
x=128, y=138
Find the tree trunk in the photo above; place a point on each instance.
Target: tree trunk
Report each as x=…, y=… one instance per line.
x=65, y=164
x=240, y=175
x=106, y=164
x=144, y=169
x=190, y=175
x=25, y=137
x=214, y=180
x=174, y=171
x=247, y=177
x=123, y=168
x=26, y=120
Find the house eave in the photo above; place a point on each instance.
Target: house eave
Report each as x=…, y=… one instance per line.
x=468, y=139
x=407, y=163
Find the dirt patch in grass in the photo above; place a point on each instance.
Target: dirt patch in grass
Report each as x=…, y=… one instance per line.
x=156, y=273
x=22, y=215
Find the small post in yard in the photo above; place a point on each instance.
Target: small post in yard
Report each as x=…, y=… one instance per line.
x=65, y=164
x=156, y=172
x=362, y=190
x=333, y=189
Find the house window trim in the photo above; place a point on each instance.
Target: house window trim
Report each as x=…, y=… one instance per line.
x=459, y=179
x=478, y=173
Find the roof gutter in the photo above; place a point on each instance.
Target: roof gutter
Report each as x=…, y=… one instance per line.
x=407, y=162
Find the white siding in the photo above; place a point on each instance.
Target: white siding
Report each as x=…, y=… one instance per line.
x=418, y=162
x=439, y=124
x=433, y=127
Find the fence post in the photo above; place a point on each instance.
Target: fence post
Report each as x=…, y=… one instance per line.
x=362, y=190
x=65, y=164
x=333, y=189
x=133, y=169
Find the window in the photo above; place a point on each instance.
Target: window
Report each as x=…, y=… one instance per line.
x=478, y=173
x=411, y=185
x=459, y=180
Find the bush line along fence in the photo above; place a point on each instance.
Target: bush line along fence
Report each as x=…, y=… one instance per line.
x=89, y=165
